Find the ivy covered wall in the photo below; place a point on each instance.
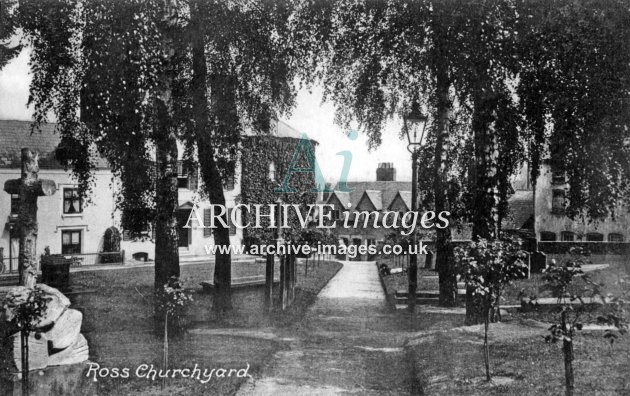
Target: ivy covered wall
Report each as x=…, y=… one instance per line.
x=258, y=183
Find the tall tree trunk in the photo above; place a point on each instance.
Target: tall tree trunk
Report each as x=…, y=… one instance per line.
x=485, y=215
x=209, y=171
x=166, y=238
x=567, y=352
x=27, y=218
x=486, y=347
x=485, y=197
x=445, y=261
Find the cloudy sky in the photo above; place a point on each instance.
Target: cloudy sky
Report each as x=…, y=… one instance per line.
x=311, y=116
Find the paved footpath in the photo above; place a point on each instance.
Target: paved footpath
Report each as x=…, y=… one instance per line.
x=349, y=343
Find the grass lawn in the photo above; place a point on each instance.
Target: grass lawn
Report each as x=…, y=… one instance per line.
x=612, y=279
x=117, y=306
x=451, y=363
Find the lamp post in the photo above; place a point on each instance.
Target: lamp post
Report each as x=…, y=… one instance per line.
x=415, y=123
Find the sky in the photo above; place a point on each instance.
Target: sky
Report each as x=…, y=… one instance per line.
x=310, y=116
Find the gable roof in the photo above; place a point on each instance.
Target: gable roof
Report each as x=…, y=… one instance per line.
x=380, y=193
x=343, y=197
x=375, y=197
x=404, y=196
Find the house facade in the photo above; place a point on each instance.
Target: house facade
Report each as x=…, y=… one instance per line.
x=532, y=213
x=70, y=226
x=553, y=225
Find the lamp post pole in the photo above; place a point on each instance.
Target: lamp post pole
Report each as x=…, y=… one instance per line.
x=415, y=123
x=413, y=259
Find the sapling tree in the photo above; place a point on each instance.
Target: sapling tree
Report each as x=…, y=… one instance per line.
x=24, y=308
x=487, y=267
x=559, y=279
x=172, y=302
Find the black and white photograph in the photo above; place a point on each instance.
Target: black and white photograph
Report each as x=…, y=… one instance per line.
x=314, y=197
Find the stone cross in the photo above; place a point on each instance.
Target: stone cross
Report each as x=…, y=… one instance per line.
x=29, y=187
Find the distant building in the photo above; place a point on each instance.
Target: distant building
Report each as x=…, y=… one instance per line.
x=532, y=214
x=553, y=225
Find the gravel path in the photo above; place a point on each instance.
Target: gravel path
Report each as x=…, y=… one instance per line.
x=349, y=343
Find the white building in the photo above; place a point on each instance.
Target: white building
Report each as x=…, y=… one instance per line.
x=67, y=225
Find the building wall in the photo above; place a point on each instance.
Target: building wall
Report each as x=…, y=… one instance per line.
x=547, y=221
x=197, y=239
x=92, y=222
x=96, y=217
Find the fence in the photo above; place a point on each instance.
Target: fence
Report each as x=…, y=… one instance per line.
x=9, y=266
x=91, y=259
x=592, y=247
x=77, y=260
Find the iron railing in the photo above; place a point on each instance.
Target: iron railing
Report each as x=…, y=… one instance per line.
x=77, y=260
x=9, y=266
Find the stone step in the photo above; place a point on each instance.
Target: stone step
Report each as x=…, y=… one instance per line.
x=246, y=281
x=9, y=280
x=419, y=300
x=425, y=293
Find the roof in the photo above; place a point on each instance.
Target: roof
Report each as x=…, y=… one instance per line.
x=381, y=193
x=280, y=129
x=520, y=210
x=16, y=135
x=405, y=196
x=376, y=198
x=343, y=197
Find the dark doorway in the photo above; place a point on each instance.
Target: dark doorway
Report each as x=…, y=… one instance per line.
x=184, y=233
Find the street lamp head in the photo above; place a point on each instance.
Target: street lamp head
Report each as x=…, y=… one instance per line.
x=415, y=123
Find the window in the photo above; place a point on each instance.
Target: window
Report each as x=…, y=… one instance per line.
x=71, y=242
x=336, y=214
x=558, y=177
x=72, y=201
x=272, y=171
x=614, y=237
x=15, y=203
x=567, y=236
x=182, y=175
x=229, y=182
x=206, y=222
x=558, y=202
x=546, y=236
x=187, y=177
x=230, y=223
x=594, y=237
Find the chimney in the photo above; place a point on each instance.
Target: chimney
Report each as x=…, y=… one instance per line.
x=386, y=172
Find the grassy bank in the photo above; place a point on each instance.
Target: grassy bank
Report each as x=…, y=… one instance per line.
x=117, y=306
x=451, y=363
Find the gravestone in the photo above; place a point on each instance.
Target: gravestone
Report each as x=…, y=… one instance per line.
x=29, y=187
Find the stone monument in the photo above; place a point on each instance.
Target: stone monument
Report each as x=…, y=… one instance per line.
x=58, y=339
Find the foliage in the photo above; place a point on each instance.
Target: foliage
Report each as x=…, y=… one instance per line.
x=573, y=90
x=24, y=308
x=559, y=278
x=7, y=30
x=173, y=301
x=315, y=237
x=488, y=266
x=111, y=240
x=257, y=188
